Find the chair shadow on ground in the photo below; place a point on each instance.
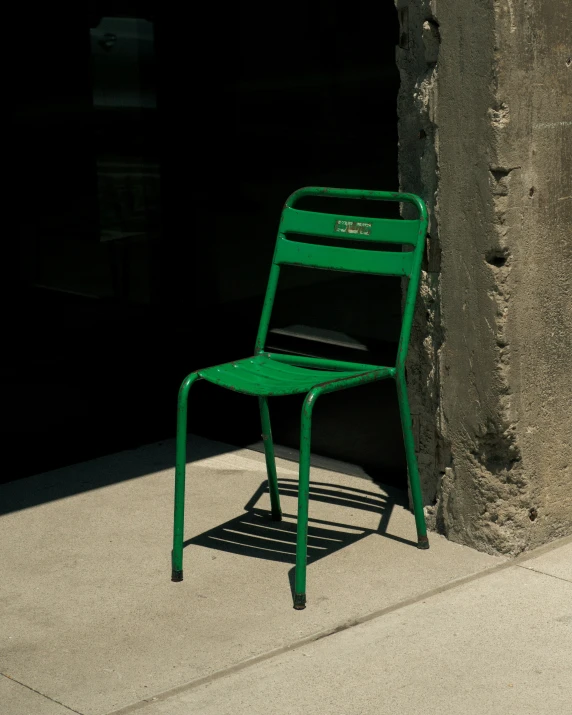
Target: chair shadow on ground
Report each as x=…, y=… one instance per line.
x=254, y=534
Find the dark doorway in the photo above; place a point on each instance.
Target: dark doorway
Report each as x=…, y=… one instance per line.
x=153, y=155
x=280, y=100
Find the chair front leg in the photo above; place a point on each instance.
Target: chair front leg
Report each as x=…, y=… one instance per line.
x=304, y=478
x=180, y=473
x=303, y=499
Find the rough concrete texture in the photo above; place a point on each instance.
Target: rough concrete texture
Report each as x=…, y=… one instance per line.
x=417, y=56
x=497, y=646
x=91, y=619
x=486, y=138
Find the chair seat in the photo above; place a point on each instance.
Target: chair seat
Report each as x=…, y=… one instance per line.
x=264, y=377
x=268, y=374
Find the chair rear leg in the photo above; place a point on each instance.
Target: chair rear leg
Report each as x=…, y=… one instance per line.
x=303, y=498
x=412, y=468
x=180, y=472
x=270, y=459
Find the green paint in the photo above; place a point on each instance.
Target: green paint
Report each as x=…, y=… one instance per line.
x=269, y=374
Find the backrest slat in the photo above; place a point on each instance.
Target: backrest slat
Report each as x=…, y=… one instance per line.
x=362, y=257
x=380, y=230
x=335, y=258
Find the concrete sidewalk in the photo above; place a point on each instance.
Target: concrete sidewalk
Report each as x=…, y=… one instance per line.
x=499, y=645
x=91, y=623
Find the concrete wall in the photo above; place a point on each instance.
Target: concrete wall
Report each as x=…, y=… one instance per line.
x=485, y=112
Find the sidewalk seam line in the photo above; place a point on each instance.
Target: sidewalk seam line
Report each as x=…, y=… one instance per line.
x=47, y=697
x=269, y=655
x=307, y=640
x=543, y=573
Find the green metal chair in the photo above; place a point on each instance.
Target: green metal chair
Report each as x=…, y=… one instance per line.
x=268, y=374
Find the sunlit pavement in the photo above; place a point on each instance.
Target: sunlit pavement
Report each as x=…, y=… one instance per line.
x=92, y=623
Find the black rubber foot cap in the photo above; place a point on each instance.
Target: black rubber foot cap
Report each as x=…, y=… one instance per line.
x=300, y=601
x=276, y=516
x=176, y=576
x=423, y=542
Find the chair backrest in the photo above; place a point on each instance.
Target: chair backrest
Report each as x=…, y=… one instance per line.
x=361, y=259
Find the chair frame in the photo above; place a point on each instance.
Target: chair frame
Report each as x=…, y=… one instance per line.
x=287, y=252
